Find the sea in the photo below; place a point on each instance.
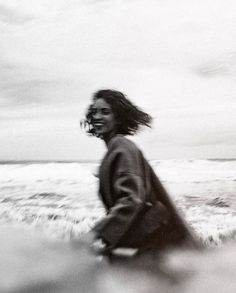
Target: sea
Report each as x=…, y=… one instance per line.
x=60, y=201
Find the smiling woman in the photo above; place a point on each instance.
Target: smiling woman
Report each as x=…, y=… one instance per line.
x=126, y=117
x=104, y=121
x=140, y=213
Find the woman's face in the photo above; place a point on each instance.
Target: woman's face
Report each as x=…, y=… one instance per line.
x=104, y=122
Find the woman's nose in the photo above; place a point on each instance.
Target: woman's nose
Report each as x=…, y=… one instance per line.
x=97, y=115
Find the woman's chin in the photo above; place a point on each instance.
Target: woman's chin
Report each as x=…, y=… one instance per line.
x=100, y=133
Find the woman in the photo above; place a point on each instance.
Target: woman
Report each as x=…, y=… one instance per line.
x=140, y=214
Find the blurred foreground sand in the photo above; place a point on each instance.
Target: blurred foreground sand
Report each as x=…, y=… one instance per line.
x=30, y=263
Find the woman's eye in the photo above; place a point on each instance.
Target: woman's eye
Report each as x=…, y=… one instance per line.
x=106, y=112
x=101, y=111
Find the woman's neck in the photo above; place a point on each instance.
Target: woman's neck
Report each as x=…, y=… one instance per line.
x=108, y=137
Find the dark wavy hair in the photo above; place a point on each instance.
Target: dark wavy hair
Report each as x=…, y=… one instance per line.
x=128, y=116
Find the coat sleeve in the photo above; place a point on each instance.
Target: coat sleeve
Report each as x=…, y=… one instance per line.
x=129, y=193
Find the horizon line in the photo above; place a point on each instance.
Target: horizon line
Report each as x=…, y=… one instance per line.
x=97, y=161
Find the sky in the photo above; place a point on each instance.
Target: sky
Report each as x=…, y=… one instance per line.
x=174, y=59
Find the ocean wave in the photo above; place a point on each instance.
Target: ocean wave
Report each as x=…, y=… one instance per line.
x=218, y=202
x=61, y=200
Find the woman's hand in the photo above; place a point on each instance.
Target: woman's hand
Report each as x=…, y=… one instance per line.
x=95, y=244
x=98, y=247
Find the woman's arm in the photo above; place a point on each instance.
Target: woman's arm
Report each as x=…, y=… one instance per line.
x=128, y=192
x=123, y=213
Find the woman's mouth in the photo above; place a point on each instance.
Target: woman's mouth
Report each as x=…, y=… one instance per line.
x=98, y=124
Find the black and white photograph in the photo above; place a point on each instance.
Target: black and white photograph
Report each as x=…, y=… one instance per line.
x=117, y=146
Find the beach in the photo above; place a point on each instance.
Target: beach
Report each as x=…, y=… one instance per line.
x=45, y=208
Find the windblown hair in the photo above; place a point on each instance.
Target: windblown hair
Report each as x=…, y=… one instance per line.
x=128, y=116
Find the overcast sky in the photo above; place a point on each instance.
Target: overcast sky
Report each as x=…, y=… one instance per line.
x=175, y=59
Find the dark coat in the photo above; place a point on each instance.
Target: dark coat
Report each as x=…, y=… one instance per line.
x=128, y=188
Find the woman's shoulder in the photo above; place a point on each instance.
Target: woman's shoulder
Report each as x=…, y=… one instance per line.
x=125, y=153
x=122, y=143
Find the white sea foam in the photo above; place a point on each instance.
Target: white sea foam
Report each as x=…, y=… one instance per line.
x=60, y=199
x=195, y=170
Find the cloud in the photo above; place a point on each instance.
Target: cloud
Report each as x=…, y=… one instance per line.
x=20, y=86
x=28, y=92
x=12, y=16
x=223, y=65
x=172, y=59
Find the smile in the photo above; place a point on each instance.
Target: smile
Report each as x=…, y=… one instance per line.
x=98, y=124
